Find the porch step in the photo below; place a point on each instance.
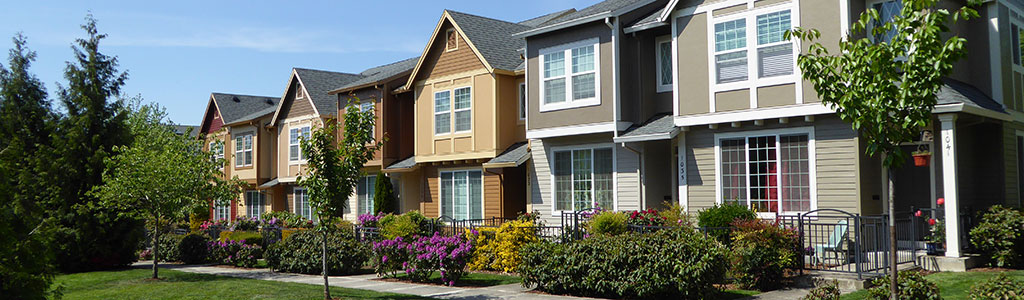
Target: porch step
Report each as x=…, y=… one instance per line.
x=950, y=264
x=848, y=282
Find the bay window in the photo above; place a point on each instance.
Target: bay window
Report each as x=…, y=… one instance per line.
x=461, y=113
x=569, y=76
x=295, y=135
x=767, y=173
x=583, y=179
x=365, y=191
x=773, y=55
x=462, y=194
x=243, y=150
x=663, y=53
x=254, y=201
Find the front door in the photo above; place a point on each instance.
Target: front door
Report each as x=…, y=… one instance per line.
x=913, y=185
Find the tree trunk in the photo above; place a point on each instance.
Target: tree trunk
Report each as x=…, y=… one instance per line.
x=327, y=287
x=156, y=248
x=893, y=267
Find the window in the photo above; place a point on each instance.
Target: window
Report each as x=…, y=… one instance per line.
x=298, y=92
x=452, y=40
x=368, y=106
x=254, y=201
x=217, y=151
x=222, y=211
x=1020, y=168
x=569, y=76
x=663, y=49
x=462, y=195
x=243, y=150
x=773, y=54
x=295, y=136
x=887, y=11
x=1016, y=47
x=461, y=110
x=365, y=192
x=583, y=178
x=522, y=101
x=731, y=56
x=768, y=173
x=302, y=207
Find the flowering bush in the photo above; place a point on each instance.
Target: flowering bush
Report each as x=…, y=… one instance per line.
x=369, y=220
x=247, y=256
x=761, y=251
x=206, y=225
x=649, y=217
x=720, y=217
x=498, y=248
x=246, y=237
x=250, y=224
x=224, y=252
x=422, y=256
x=533, y=217
x=287, y=220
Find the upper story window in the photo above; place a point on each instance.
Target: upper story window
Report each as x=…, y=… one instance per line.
x=217, y=151
x=887, y=11
x=461, y=113
x=243, y=150
x=663, y=65
x=368, y=106
x=1016, y=47
x=295, y=135
x=298, y=92
x=569, y=76
x=522, y=101
x=583, y=178
x=451, y=40
x=773, y=54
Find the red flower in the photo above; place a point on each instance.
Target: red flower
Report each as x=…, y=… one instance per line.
x=917, y=214
x=940, y=201
x=931, y=222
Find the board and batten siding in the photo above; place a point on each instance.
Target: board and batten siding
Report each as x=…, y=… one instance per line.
x=836, y=154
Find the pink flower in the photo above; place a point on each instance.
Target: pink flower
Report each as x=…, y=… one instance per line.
x=917, y=214
x=931, y=222
x=940, y=201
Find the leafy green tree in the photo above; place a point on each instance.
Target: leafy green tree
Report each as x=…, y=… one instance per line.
x=383, y=195
x=334, y=170
x=92, y=237
x=161, y=175
x=887, y=89
x=26, y=120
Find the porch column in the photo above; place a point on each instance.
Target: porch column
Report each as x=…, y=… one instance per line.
x=681, y=171
x=949, y=184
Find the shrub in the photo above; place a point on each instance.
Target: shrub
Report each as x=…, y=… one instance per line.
x=912, y=286
x=247, y=256
x=533, y=217
x=1001, y=287
x=285, y=233
x=668, y=263
x=406, y=225
x=675, y=215
x=193, y=248
x=722, y=216
x=196, y=220
x=169, y=247
x=423, y=256
x=246, y=237
x=497, y=249
x=1000, y=235
x=224, y=252
x=608, y=223
x=288, y=219
x=384, y=200
x=301, y=252
x=824, y=290
x=250, y=224
x=648, y=217
x=761, y=251
x=368, y=220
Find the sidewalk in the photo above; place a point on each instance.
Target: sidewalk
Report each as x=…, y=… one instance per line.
x=367, y=282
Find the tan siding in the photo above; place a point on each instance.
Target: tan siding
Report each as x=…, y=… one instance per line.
x=825, y=17
x=441, y=62
x=693, y=71
x=732, y=100
x=539, y=175
x=627, y=176
x=483, y=106
x=492, y=195
x=778, y=95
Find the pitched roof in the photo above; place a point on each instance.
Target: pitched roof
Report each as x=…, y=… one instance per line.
x=406, y=164
x=493, y=38
x=543, y=20
x=659, y=127
x=236, y=108
x=513, y=156
x=182, y=129
x=603, y=7
x=379, y=73
x=953, y=92
x=318, y=83
x=651, y=20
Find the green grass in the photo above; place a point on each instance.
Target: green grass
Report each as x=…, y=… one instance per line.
x=475, y=279
x=952, y=286
x=134, y=284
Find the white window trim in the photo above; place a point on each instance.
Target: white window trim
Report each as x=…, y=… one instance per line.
x=218, y=208
x=298, y=207
x=362, y=181
x=811, y=162
x=483, y=201
x=252, y=147
x=522, y=100
x=567, y=60
x=1017, y=67
x=217, y=155
x=451, y=112
x=662, y=88
x=448, y=33
x=298, y=160
x=371, y=105
x=262, y=200
x=551, y=167
x=753, y=81
x=455, y=111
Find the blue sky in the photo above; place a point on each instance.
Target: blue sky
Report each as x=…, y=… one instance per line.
x=177, y=52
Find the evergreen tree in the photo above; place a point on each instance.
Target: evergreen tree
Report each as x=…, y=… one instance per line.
x=92, y=236
x=384, y=196
x=26, y=262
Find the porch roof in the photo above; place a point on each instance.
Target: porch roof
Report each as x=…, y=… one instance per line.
x=659, y=127
x=405, y=165
x=513, y=156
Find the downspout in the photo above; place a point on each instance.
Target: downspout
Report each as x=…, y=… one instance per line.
x=639, y=176
x=615, y=74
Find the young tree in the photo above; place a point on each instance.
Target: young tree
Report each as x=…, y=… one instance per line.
x=161, y=175
x=886, y=88
x=26, y=122
x=383, y=195
x=93, y=237
x=334, y=170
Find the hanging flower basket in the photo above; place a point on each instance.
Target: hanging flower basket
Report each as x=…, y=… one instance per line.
x=922, y=159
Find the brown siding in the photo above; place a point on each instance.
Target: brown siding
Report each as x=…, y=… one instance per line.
x=295, y=107
x=430, y=204
x=492, y=195
x=441, y=62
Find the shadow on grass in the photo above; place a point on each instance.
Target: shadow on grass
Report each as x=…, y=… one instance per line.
x=468, y=280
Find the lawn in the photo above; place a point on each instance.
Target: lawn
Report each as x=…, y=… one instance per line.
x=476, y=279
x=134, y=284
x=952, y=286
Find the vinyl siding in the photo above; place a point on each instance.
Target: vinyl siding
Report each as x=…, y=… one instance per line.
x=1011, y=161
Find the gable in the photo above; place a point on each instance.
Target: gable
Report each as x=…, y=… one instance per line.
x=440, y=61
x=213, y=121
x=293, y=107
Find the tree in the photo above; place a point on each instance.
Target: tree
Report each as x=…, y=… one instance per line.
x=161, y=175
x=93, y=237
x=26, y=120
x=383, y=195
x=334, y=171
x=886, y=90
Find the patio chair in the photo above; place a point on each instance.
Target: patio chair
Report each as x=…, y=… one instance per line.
x=834, y=246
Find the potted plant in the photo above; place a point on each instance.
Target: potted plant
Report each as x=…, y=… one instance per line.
x=922, y=158
x=936, y=240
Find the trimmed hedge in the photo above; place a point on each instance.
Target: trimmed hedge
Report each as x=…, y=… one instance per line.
x=301, y=253
x=678, y=263
x=193, y=248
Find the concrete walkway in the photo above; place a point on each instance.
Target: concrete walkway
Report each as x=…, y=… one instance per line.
x=367, y=282
x=783, y=294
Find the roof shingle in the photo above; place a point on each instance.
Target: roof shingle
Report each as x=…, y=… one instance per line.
x=493, y=38
x=238, y=108
x=319, y=82
x=380, y=73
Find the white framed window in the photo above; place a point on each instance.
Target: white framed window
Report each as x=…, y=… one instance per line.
x=663, y=63
x=222, y=211
x=522, y=101
x=750, y=50
x=458, y=112
x=298, y=92
x=295, y=136
x=451, y=40
x=583, y=177
x=887, y=11
x=254, y=202
x=369, y=106
x=217, y=151
x=302, y=207
x=365, y=191
x=769, y=172
x=570, y=75
x=461, y=194
x=243, y=150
